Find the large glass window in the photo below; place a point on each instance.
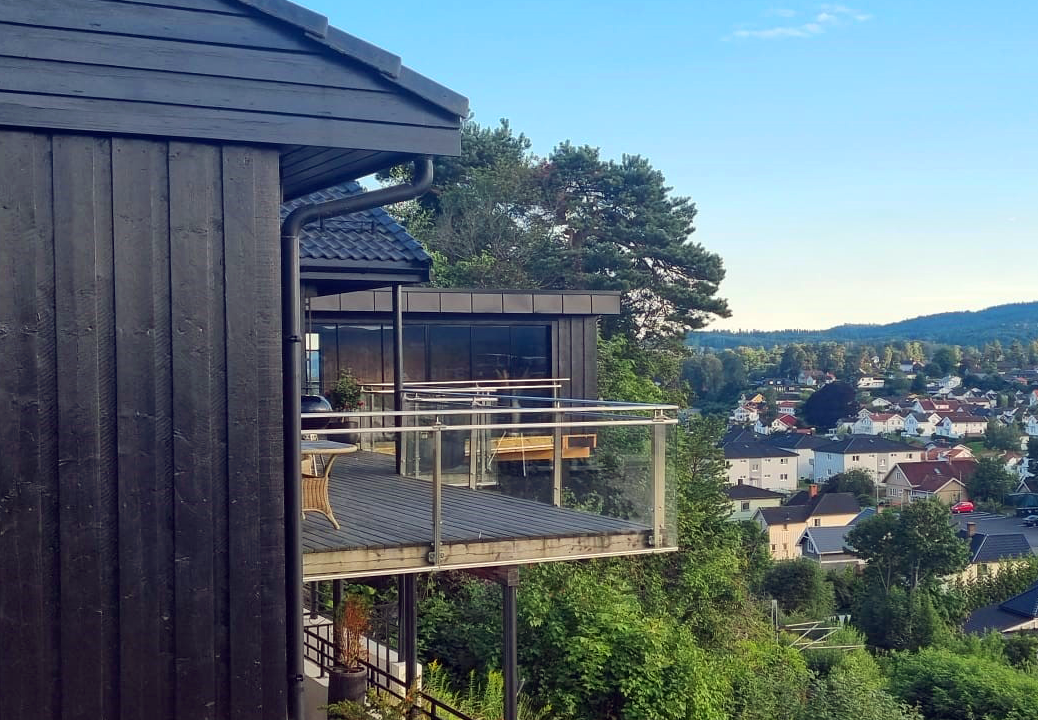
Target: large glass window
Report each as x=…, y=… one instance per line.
x=450, y=352
x=529, y=351
x=491, y=352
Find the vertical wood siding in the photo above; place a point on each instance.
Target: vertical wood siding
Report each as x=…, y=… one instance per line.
x=141, y=503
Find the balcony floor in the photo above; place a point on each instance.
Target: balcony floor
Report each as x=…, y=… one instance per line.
x=386, y=524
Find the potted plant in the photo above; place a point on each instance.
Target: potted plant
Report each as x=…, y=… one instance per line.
x=348, y=678
x=346, y=396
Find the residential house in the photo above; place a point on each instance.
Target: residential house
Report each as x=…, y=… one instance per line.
x=870, y=423
x=783, y=423
x=871, y=383
x=803, y=444
x=785, y=525
x=961, y=425
x=944, y=479
x=761, y=465
x=875, y=454
x=921, y=424
x=746, y=500
x=940, y=452
x=880, y=403
x=740, y=434
x=1030, y=423
x=1017, y=614
x=828, y=545
x=146, y=151
x=1032, y=398
x=788, y=407
x=745, y=414
x=938, y=405
x=990, y=553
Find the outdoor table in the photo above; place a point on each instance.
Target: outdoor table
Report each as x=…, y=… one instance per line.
x=320, y=454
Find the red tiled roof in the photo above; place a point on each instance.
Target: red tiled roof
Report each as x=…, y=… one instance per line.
x=918, y=473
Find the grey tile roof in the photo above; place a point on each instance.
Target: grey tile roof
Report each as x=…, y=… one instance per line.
x=825, y=540
x=865, y=444
x=740, y=450
x=865, y=514
x=749, y=492
x=985, y=547
x=1025, y=604
x=797, y=441
x=357, y=239
x=991, y=617
x=741, y=434
x=799, y=510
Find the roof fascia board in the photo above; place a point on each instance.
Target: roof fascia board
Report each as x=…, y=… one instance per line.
x=317, y=28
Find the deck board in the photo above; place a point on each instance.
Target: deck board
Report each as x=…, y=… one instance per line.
x=379, y=509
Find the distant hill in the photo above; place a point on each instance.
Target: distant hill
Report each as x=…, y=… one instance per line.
x=1005, y=323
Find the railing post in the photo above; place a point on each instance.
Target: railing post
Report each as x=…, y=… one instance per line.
x=556, y=457
x=435, y=556
x=474, y=452
x=659, y=482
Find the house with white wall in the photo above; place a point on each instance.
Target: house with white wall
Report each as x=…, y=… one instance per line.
x=878, y=424
x=959, y=425
x=1030, y=423
x=921, y=424
x=803, y=444
x=745, y=414
x=872, y=453
x=759, y=464
x=746, y=500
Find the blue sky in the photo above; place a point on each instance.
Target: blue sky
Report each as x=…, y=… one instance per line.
x=851, y=163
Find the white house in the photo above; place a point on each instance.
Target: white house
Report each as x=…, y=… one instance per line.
x=878, y=424
x=956, y=425
x=949, y=382
x=880, y=403
x=871, y=383
x=745, y=414
x=875, y=454
x=1031, y=425
x=804, y=446
x=761, y=465
x=1032, y=398
x=921, y=424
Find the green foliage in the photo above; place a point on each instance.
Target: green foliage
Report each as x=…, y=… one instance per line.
x=965, y=596
x=345, y=395
x=499, y=216
x=846, y=584
x=991, y=481
x=618, y=373
x=853, y=688
x=857, y=482
x=800, y=588
x=481, y=698
x=767, y=681
x=897, y=618
x=947, y=686
x=998, y=436
x=832, y=402
x=911, y=547
x=459, y=620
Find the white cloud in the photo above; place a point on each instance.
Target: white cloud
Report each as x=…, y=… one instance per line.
x=827, y=17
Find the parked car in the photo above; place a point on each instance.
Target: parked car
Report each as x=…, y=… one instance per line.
x=1031, y=521
x=962, y=506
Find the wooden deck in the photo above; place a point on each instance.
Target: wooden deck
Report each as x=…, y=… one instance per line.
x=387, y=527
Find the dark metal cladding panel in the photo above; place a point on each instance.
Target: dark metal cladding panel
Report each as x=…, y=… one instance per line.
x=548, y=304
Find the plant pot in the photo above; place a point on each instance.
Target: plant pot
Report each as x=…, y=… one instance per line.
x=346, y=684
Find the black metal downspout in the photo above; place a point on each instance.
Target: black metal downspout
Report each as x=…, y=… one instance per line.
x=291, y=363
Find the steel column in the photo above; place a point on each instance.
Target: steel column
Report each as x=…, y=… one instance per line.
x=510, y=661
x=435, y=557
x=398, y=371
x=409, y=629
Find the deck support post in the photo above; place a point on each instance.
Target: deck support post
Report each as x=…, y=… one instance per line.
x=398, y=372
x=435, y=558
x=510, y=663
x=659, y=484
x=409, y=630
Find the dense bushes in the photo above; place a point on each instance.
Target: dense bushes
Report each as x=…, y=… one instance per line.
x=949, y=686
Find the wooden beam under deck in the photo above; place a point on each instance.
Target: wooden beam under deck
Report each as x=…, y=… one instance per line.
x=386, y=527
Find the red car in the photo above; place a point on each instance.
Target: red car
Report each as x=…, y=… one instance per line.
x=963, y=506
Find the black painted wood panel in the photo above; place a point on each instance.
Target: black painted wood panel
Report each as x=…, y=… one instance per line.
x=141, y=516
x=86, y=424
x=144, y=386
x=29, y=515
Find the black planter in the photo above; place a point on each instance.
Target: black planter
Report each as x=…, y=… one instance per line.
x=346, y=684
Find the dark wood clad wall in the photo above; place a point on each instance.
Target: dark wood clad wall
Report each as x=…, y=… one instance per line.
x=135, y=68
x=575, y=355
x=141, y=501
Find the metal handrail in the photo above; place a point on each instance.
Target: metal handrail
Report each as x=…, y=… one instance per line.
x=427, y=705
x=601, y=407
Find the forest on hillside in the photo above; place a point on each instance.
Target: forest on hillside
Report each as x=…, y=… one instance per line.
x=1005, y=323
